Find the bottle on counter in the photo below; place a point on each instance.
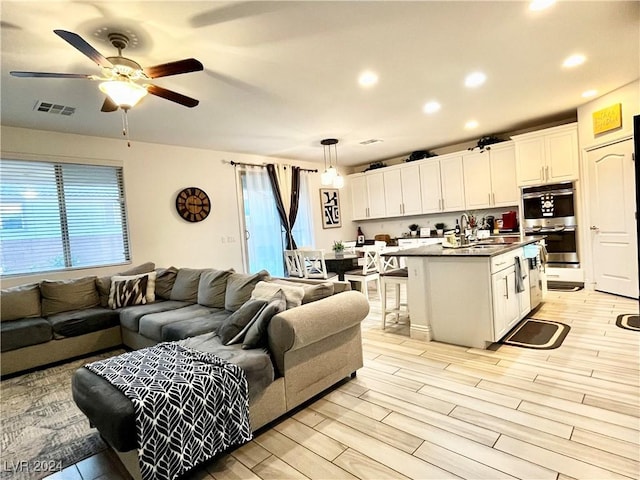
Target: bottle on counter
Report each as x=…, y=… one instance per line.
x=457, y=229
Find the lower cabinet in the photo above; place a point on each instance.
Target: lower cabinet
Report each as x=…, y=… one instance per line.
x=506, y=302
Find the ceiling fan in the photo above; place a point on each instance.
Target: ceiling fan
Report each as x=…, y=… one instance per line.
x=122, y=78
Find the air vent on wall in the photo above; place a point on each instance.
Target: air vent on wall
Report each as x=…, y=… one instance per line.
x=57, y=109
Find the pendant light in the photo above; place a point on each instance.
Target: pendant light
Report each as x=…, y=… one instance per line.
x=331, y=176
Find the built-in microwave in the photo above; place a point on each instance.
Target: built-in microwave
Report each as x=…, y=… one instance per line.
x=549, y=206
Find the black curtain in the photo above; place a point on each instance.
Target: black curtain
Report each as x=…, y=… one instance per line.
x=295, y=197
x=284, y=218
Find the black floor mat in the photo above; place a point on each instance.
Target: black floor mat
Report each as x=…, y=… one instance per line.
x=535, y=333
x=629, y=321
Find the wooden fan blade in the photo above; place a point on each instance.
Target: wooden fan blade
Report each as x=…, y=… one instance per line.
x=174, y=68
x=50, y=75
x=173, y=96
x=78, y=42
x=109, y=105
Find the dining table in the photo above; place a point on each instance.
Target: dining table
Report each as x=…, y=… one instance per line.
x=340, y=264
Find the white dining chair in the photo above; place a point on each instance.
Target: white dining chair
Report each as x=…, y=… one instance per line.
x=314, y=266
x=391, y=274
x=368, y=272
x=293, y=264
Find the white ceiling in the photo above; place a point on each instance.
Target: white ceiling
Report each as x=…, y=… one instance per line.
x=281, y=76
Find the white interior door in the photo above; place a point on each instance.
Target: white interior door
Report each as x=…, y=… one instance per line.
x=613, y=219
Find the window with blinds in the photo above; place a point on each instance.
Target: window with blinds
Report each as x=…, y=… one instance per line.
x=56, y=216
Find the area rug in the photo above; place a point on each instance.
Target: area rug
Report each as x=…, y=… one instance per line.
x=563, y=287
x=42, y=429
x=535, y=333
x=629, y=321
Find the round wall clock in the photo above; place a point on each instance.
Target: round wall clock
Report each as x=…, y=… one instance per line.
x=193, y=204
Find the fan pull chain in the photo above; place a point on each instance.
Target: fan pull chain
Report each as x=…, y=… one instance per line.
x=125, y=126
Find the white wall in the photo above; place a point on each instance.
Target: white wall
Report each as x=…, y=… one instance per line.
x=629, y=97
x=153, y=175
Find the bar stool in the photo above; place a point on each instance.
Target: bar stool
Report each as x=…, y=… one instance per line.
x=391, y=274
x=369, y=271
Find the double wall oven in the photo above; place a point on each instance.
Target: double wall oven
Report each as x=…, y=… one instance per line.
x=550, y=210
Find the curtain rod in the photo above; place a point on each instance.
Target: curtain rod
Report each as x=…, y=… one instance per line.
x=262, y=165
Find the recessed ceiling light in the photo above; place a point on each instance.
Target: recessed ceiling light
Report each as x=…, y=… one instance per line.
x=574, y=61
x=471, y=124
x=540, y=4
x=431, y=107
x=475, y=79
x=367, y=79
x=589, y=93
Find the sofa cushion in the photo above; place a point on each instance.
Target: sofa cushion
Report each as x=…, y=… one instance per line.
x=151, y=325
x=185, y=288
x=212, y=287
x=67, y=295
x=79, y=322
x=236, y=323
x=20, y=302
x=132, y=290
x=266, y=290
x=256, y=336
x=312, y=291
x=104, y=283
x=194, y=326
x=130, y=316
x=165, y=279
x=24, y=332
x=239, y=288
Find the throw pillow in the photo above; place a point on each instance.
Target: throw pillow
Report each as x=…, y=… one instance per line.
x=238, y=320
x=266, y=290
x=185, y=287
x=212, y=287
x=312, y=291
x=66, y=295
x=256, y=336
x=104, y=283
x=148, y=292
x=239, y=288
x=165, y=279
x=126, y=291
x=20, y=302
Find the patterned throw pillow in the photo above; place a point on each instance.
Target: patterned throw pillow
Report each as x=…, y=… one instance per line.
x=132, y=290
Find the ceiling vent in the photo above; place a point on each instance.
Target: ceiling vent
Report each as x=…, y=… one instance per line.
x=370, y=141
x=55, y=108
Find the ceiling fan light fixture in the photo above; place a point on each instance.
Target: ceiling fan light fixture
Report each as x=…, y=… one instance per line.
x=124, y=93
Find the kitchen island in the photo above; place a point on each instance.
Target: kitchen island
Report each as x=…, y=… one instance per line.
x=470, y=296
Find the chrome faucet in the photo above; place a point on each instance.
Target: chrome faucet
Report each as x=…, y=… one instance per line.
x=463, y=229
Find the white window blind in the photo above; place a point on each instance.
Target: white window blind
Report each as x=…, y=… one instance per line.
x=56, y=216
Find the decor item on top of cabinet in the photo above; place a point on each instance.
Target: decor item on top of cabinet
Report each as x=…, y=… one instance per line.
x=331, y=176
x=374, y=166
x=484, y=142
x=330, y=203
x=420, y=154
x=440, y=226
x=193, y=204
x=413, y=228
x=338, y=248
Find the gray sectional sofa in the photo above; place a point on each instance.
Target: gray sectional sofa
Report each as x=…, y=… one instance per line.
x=309, y=346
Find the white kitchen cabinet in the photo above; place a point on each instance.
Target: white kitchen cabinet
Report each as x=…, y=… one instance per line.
x=490, y=177
x=442, y=185
x=547, y=156
x=402, y=191
x=367, y=195
x=506, y=305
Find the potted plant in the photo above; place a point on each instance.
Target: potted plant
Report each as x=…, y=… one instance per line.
x=440, y=226
x=413, y=228
x=338, y=248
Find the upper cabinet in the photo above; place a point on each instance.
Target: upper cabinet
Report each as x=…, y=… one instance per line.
x=547, y=156
x=367, y=195
x=442, y=184
x=490, y=177
x=402, y=190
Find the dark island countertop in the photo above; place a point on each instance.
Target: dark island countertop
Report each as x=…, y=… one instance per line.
x=488, y=247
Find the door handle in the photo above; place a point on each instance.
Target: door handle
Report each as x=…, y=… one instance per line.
x=593, y=227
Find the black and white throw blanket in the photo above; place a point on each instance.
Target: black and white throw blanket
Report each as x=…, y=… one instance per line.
x=189, y=405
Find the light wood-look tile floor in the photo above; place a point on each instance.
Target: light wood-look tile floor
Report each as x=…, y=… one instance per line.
x=430, y=410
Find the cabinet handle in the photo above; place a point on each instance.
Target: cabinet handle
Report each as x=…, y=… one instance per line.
x=489, y=198
x=402, y=207
x=500, y=263
x=493, y=198
x=506, y=287
x=546, y=169
x=542, y=173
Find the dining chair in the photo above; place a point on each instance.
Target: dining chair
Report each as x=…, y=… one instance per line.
x=391, y=274
x=314, y=266
x=293, y=264
x=369, y=270
x=350, y=246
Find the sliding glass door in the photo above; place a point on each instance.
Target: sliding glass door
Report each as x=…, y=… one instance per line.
x=264, y=240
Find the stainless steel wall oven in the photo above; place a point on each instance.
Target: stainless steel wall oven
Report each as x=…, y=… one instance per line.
x=550, y=210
